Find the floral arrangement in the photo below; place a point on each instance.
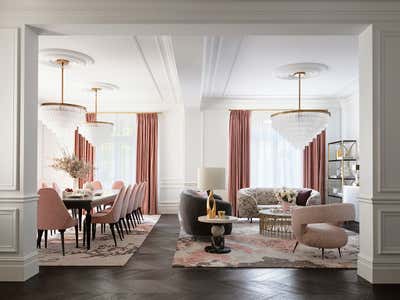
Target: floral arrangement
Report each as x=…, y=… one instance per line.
x=70, y=164
x=286, y=195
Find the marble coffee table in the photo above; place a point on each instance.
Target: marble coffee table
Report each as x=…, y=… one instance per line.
x=217, y=231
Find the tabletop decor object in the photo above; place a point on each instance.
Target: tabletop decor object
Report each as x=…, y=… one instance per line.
x=286, y=197
x=209, y=179
x=75, y=167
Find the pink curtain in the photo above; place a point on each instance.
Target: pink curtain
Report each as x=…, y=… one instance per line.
x=314, y=165
x=146, y=158
x=84, y=151
x=239, y=154
x=91, y=117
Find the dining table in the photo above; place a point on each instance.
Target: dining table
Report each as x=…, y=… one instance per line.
x=88, y=203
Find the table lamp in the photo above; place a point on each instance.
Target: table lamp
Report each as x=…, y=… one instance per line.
x=209, y=179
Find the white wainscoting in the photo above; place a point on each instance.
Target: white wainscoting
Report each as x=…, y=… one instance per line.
x=170, y=189
x=9, y=230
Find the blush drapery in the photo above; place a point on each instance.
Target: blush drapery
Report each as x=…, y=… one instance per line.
x=314, y=165
x=239, y=154
x=146, y=158
x=84, y=151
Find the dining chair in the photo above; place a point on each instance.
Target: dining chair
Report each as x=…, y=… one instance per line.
x=122, y=220
x=138, y=198
x=117, y=185
x=131, y=205
x=141, y=200
x=97, y=185
x=53, y=215
x=110, y=217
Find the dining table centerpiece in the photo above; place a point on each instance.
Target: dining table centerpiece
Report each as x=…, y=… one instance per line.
x=286, y=197
x=73, y=166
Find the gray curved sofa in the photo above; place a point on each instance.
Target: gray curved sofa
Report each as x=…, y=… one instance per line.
x=192, y=205
x=252, y=200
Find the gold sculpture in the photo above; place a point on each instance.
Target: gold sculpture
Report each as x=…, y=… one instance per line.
x=211, y=212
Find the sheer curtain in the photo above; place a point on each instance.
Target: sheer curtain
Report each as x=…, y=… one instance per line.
x=116, y=159
x=274, y=162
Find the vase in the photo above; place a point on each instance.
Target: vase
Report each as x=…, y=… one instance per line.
x=285, y=206
x=76, y=184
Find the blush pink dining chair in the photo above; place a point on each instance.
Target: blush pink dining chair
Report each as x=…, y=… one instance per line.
x=137, y=202
x=131, y=206
x=117, y=185
x=110, y=216
x=142, y=199
x=97, y=185
x=53, y=215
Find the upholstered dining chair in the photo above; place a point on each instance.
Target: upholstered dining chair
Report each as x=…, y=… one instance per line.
x=97, y=185
x=141, y=199
x=131, y=205
x=117, y=185
x=137, y=202
x=53, y=215
x=122, y=220
x=111, y=216
x=320, y=225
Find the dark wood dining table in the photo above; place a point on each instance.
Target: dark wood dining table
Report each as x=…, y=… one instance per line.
x=88, y=203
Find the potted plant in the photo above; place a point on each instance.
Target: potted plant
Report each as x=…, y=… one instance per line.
x=286, y=197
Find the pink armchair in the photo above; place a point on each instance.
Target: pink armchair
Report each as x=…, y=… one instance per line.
x=53, y=215
x=320, y=225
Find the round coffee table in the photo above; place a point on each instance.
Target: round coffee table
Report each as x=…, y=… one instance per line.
x=217, y=231
x=275, y=220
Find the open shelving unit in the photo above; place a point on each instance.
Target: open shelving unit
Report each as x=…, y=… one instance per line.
x=342, y=161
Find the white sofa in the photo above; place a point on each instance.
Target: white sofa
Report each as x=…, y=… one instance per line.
x=252, y=200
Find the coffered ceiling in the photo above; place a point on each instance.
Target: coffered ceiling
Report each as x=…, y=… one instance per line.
x=153, y=72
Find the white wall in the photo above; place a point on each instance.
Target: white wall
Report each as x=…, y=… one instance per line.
x=350, y=117
x=171, y=158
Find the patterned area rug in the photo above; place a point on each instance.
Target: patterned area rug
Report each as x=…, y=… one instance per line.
x=102, y=252
x=252, y=250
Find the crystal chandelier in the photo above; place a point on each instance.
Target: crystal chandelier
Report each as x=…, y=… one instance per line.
x=97, y=132
x=300, y=126
x=61, y=117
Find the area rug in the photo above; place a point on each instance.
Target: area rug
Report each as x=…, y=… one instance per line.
x=102, y=252
x=252, y=250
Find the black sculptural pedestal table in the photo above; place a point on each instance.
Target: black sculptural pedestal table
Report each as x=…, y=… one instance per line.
x=217, y=231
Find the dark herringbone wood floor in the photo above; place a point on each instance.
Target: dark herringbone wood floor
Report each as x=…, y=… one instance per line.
x=148, y=275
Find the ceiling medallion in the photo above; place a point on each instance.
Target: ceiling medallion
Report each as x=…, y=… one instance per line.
x=300, y=126
x=98, y=132
x=62, y=117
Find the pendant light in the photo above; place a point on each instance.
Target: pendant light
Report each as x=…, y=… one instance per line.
x=61, y=116
x=98, y=132
x=300, y=126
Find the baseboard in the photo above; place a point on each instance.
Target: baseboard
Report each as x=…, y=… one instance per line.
x=378, y=273
x=18, y=268
x=168, y=208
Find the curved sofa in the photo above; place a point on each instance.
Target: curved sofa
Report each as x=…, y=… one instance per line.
x=193, y=205
x=252, y=200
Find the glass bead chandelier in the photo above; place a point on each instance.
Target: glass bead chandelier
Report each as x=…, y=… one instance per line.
x=300, y=126
x=61, y=117
x=97, y=132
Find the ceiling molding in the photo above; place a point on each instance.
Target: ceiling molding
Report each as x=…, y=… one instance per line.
x=272, y=102
x=166, y=49
x=237, y=51
x=212, y=51
x=142, y=53
x=158, y=55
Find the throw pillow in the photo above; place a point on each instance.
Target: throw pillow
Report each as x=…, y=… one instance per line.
x=302, y=197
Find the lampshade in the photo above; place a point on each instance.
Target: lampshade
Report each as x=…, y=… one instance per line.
x=211, y=178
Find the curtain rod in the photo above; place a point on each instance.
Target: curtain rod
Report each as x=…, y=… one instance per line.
x=128, y=112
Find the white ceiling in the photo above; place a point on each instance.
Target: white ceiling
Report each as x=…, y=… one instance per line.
x=156, y=71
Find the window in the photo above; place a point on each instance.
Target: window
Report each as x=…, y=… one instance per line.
x=274, y=162
x=116, y=159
